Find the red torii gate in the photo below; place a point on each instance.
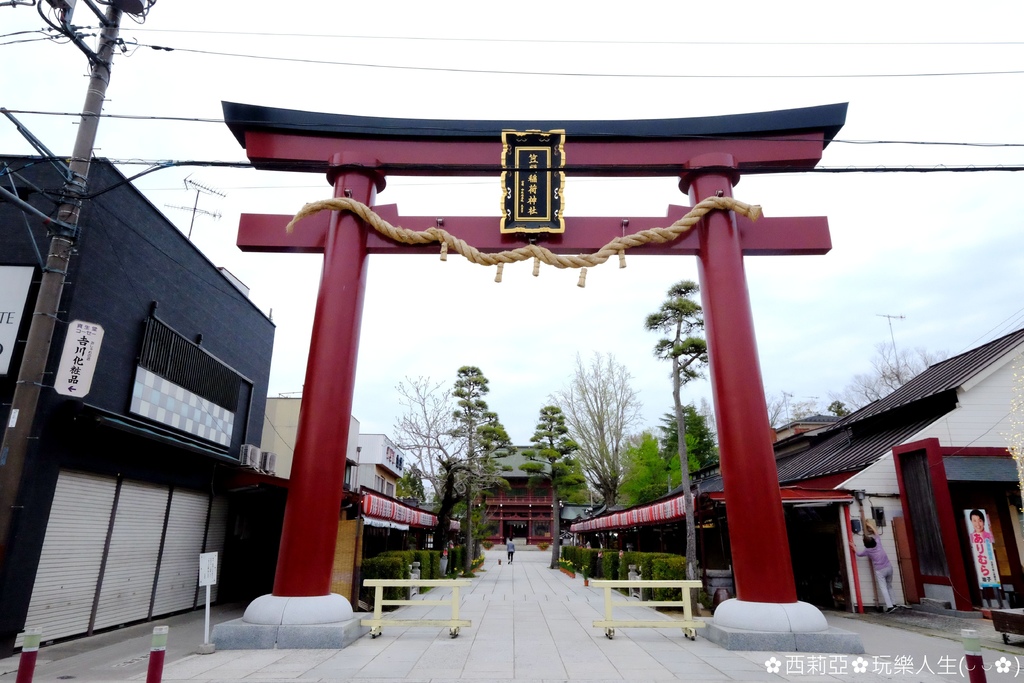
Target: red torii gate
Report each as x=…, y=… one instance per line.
x=709, y=154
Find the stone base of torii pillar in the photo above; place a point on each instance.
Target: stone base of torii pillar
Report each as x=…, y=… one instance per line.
x=786, y=627
x=272, y=621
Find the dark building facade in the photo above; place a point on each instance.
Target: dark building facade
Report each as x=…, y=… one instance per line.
x=125, y=485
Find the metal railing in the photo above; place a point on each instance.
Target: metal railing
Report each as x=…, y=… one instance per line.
x=688, y=624
x=377, y=622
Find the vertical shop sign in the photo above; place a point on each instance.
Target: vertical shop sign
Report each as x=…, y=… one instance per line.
x=78, y=360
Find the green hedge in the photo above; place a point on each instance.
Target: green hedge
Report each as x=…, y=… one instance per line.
x=394, y=564
x=606, y=564
x=456, y=559
x=585, y=560
x=390, y=565
x=666, y=568
x=610, y=565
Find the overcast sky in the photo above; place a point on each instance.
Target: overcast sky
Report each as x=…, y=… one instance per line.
x=943, y=250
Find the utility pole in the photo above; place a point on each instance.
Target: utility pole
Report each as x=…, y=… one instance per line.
x=21, y=429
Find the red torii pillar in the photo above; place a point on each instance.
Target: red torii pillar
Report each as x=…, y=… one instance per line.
x=362, y=151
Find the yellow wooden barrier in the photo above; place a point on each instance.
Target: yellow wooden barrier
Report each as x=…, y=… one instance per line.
x=688, y=623
x=377, y=622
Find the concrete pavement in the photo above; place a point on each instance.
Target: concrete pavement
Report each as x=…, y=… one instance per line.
x=532, y=624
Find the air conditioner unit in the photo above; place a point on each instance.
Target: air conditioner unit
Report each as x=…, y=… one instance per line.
x=250, y=456
x=268, y=462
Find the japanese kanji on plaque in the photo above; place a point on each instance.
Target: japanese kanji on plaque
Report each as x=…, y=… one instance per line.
x=531, y=181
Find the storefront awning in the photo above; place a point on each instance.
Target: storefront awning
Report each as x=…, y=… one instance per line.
x=655, y=513
x=674, y=509
x=792, y=496
x=381, y=510
x=384, y=523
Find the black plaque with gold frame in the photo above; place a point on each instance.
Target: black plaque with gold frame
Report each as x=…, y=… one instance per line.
x=532, y=182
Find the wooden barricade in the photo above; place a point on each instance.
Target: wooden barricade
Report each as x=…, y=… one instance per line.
x=377, y=623
x=609, y=623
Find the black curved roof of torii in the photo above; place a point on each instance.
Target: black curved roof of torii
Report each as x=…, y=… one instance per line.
x=248, y=117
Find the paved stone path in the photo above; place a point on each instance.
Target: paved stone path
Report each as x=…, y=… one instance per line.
x=531, y=624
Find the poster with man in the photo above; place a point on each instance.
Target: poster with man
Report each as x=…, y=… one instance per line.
x=981, y=540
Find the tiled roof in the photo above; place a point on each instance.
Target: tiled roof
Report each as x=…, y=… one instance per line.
x=979, y=468
x=840, y=452
x=861, y=438
x=943, y=376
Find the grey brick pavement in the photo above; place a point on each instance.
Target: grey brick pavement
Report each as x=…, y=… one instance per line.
x=533, y=624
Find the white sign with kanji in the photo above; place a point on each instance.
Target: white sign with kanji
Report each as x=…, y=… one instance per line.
x=207, y=569
x=78, y=360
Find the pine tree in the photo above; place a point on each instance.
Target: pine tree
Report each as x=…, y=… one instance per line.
x=682, y=319
x=550, y=460
x=484, y=439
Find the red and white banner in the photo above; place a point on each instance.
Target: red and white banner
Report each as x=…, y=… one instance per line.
x=393, y=511
x=663, y=511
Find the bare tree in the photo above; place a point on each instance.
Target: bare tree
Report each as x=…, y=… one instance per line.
x=891, y=369
x=776, y=409
x=601, y=409
x=426, y=431
x=453, y=442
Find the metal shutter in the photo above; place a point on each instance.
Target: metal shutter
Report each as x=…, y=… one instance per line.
x=134, y=547
x=215, y=536
x=69, y=565
x=183, y=541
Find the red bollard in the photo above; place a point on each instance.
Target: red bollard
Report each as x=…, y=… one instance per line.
x=157, y=652
x=29, y=652
x=972, y=656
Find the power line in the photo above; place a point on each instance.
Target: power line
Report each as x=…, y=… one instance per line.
x=156, y=165
x=575, y=74
x=197, y=119
x=563, y=41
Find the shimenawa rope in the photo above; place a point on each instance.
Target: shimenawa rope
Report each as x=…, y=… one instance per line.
x=538, y=253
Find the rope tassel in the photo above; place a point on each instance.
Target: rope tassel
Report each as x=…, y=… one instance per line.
x=622, y=259
x=583, y=278
x=536, y=266
x=501, y=267
x=444, y=251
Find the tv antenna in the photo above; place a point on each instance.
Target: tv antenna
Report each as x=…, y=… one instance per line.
x=785, y=401
x=891, y=335
x=215, y=215
x=199, y=188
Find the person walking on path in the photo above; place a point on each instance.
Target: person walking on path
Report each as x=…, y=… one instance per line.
x=511, y=550
x=882, y=566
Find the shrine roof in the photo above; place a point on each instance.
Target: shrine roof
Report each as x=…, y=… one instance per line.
x=242, y=118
